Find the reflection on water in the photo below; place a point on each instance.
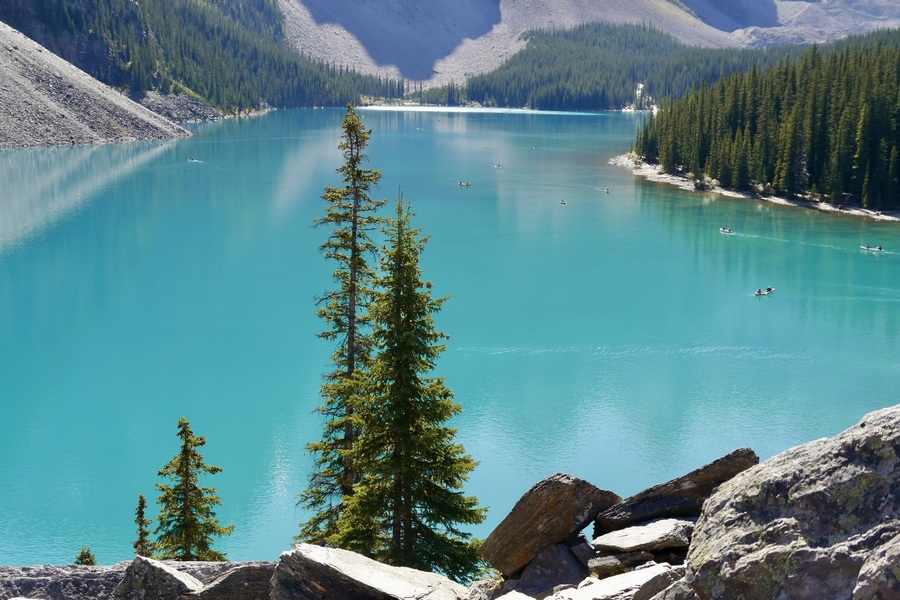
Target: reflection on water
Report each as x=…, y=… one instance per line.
x=43, y=185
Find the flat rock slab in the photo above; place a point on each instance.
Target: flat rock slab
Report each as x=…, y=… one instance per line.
x=641, y=584
x=680, y=497
x=315, y=573
x=650, y=537
x=552, y=511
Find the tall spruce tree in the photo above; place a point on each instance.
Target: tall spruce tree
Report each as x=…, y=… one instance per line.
x=351, y=212
x=408, y=504
x=187, y=522
x=143, y=545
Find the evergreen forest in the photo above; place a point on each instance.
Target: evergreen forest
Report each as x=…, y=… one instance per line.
x=825, y=126
x=599, y=66
x=228, y=53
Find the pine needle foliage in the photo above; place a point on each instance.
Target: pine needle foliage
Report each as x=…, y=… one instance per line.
x=143, y=545
x=408, y=504
x=187, y=523
x=350, y=211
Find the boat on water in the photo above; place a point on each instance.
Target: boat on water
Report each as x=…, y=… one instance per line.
x=464, y=184
x=563, y=203
x=726, y=230
x=764, y=292
x=872, y=248
x=192, y=159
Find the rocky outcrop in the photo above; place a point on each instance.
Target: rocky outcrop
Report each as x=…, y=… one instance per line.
x=552, y=511
x=315, y=573
x=821, y=520
x=680, y=497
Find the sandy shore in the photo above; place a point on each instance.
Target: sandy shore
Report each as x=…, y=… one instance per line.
x=653, y=173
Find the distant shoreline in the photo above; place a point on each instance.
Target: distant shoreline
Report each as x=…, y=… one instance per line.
x=652, y=172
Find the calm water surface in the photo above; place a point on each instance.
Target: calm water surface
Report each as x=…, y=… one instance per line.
x=616, y=338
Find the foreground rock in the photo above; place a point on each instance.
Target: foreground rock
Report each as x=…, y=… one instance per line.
x=552, y=511
x=680, y=497
x=821, y=520
x=313, y=573
x=51, y=582
x=46, y=101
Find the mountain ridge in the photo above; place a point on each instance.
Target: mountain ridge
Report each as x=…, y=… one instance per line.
x=450, y=40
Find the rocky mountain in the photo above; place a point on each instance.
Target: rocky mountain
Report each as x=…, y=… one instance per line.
x=44, y=100
x=441, y=41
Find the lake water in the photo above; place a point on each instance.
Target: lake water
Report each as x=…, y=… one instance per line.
x=616, y=338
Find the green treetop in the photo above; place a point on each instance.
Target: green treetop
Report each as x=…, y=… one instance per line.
x=143, y=545
x=350, y=212
x=187, y=522
x=408, y=504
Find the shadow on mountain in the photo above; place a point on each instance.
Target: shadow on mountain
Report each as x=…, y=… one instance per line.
x=729, y=15
x=409, y=34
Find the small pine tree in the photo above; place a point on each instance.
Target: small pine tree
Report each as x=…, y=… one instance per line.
x=85, y=557
x=187, y=523
x=408, y=505
x=143, y=545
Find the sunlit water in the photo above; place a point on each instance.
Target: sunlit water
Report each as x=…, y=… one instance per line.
x=616, y=338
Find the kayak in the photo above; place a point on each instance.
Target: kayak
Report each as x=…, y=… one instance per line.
x=764, y=292
x=872, y=248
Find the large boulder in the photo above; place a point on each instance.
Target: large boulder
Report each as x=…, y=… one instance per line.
x=879, y=576
x=680, y=497
x=551, y=512
x=805, y=523
x=311, y=572
x=51, y=582
x=150, y=579
x=244, y=581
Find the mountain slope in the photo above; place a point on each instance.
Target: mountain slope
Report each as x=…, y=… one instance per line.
x=44, y=101
x=448, y=40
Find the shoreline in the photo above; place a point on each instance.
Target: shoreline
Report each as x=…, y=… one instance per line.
x=651, y=172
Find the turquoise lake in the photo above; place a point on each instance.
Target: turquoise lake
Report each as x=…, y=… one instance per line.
x=616, y=338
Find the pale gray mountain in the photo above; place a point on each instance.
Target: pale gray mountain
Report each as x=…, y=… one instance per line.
x=440, y=41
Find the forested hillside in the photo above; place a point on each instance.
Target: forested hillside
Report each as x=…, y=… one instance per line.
x=229, y=53
x=598, y=66
x=826, y=125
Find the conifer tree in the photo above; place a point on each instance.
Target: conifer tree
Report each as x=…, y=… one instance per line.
x=143, y=545
x=187, y=522
x=408, y=504
x=85, y=557
x=350, y=211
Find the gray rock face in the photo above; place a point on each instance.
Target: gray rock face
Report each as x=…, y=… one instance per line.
x=880, y=574
x=315, y=573
x=553, y=566
x=50, y=582
x=552, y=511
x=805, y=523
x=247, y=581
x=680, y=497
x=150, y=579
